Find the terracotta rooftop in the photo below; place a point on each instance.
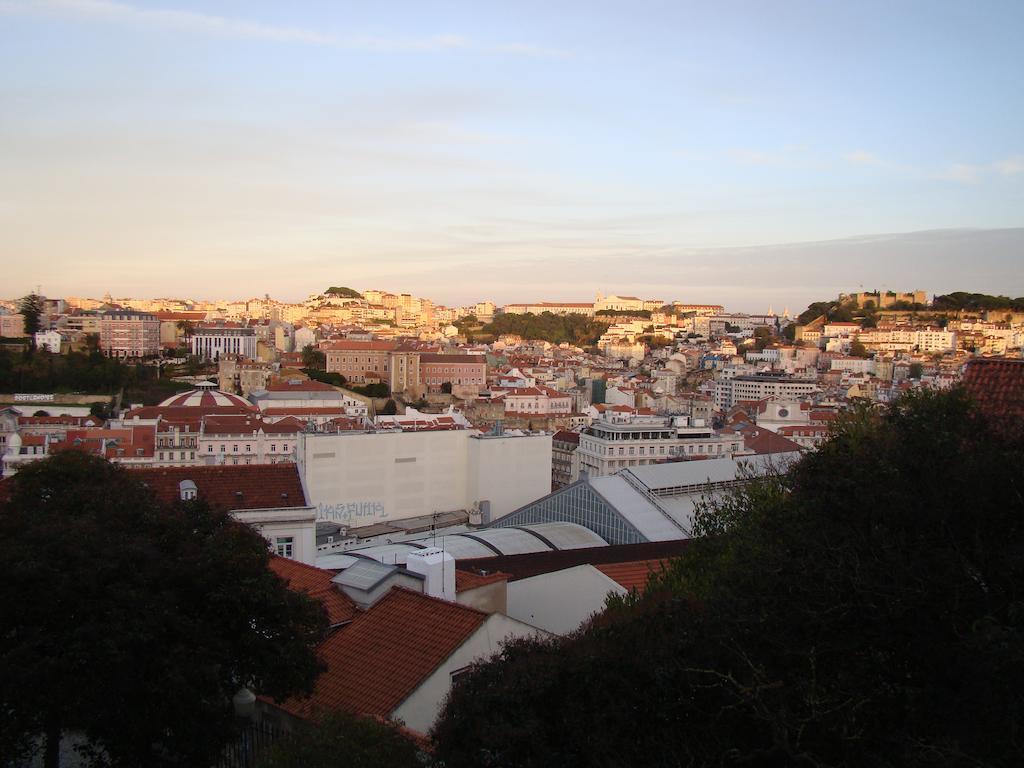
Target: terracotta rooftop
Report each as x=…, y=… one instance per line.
x=298, y=385
x=316, y=582
x=997, y=386
x=466, y=580
x=256, y=486
x=633, y=574
x=377, y=661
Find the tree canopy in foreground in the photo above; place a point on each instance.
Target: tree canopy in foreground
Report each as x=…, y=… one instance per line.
x=865, y=608
x=131, y=623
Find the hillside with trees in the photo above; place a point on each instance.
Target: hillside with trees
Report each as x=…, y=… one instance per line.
x=343, y=292
x=863, y=609
x=574, y=329
x=977, y=302
x=84, y=372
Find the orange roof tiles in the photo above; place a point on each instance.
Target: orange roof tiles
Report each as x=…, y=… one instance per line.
x=316, y=583
x=466, y=580
x=631, y=575
x=997, y=386
x=256, y=486
x=378, y=660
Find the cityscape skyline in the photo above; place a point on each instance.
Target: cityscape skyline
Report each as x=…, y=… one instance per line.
x=463, y=150
x=826, y=269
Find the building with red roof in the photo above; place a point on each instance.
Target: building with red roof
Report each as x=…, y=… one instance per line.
x=398, y=658
x=270, y=498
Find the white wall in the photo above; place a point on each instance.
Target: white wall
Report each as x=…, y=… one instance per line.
x=359, y=479
x=421, y=708
x=508, y=471
x=559, y=602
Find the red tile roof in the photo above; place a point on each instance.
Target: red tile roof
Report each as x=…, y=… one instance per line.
x=997, y=386
x=461, y=359
x=299, y=385
x=316, y=582
x=377, y=661
x=631, y=575
x=466, y=580
x=256, y=486
x=347, y=345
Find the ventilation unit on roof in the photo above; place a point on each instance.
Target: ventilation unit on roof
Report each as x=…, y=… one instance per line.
x=187, y=490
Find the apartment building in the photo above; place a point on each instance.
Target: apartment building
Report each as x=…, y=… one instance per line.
x=457, y=370
x=216, y=341
x=129, y=334
x=368, y=362
x=729, y=391
x=606, y=447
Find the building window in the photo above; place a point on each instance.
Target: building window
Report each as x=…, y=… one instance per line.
x=209, y=448
x=284, y=546
x=248, y=448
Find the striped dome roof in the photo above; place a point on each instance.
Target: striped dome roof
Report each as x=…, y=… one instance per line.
x=207, y=398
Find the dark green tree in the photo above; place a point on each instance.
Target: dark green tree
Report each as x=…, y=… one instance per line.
x=857, y=349
x=342, y=739
x=313, y=358
x=862, y=609
x=131, y=624
x=31, y=308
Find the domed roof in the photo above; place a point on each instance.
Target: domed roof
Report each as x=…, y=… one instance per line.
x=206, y=398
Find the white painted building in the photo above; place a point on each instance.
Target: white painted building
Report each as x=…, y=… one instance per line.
x=49, y=341
x=729, y=391
x=607, y=447
x=359, y=478
x=214, y=342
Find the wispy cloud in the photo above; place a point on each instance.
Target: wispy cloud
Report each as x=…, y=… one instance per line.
x=964, y=173
x=967, y=173
x=203, y=23
x=1010, y=166
x=862, y=157
x=185, y=21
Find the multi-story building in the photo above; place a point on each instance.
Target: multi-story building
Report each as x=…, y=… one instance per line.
x=729, y=391
x=12, y=326
x=238, y=374
x=554, y=307
x=535, y=401
x=214, y=341
x=457, y=370
x=127, y=333
x=606, y=447
x=367, y=362
x=50, y=341
x=307, y=399
x=565, y=468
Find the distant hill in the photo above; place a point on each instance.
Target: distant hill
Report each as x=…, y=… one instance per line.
x=344, y=291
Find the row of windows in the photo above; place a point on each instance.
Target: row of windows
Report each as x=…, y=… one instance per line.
x=248, y=448
x=181, y=455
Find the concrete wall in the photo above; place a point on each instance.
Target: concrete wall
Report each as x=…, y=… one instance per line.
x=359, y=479
x=559, y=602
x=421, y=708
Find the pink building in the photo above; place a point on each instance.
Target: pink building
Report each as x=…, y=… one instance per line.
x=535, y=400
x=457, y=370
x=125, y=333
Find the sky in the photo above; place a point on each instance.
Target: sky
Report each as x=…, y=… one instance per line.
x=743, y=153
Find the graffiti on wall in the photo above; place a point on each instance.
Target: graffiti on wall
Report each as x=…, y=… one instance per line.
x=349, y=512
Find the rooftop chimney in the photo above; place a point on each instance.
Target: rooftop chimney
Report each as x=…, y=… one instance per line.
x=438, y=570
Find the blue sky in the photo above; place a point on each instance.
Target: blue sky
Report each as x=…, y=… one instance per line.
x=733, y=152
